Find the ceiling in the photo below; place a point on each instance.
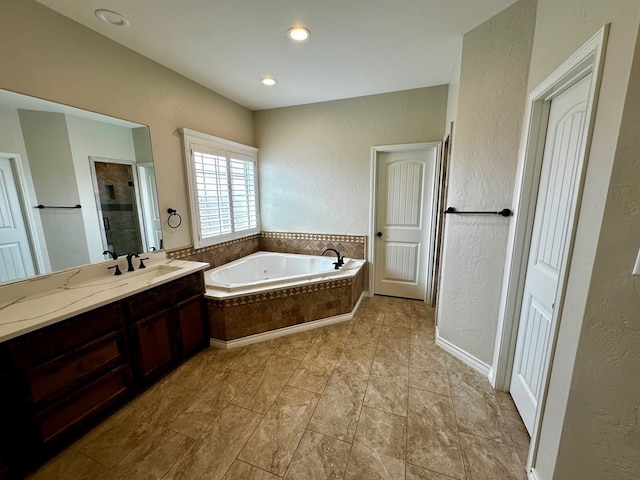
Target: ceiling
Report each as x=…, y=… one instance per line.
x=356, y=48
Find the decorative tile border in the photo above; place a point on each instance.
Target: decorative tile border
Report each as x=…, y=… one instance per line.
x=285, y=292
x=321, y=237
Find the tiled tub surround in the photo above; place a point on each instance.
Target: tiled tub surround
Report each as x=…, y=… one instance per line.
x=29, y=305
x=238, y=315
x=351, y=246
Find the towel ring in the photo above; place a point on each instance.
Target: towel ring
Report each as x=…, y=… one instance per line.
x=173, y=213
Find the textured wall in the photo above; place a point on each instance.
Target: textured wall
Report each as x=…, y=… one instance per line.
x=315, y=160
x=57, y=59
x=590, y=426
x=491, y=99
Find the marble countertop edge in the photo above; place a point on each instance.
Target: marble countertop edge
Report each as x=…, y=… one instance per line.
x=26, y=314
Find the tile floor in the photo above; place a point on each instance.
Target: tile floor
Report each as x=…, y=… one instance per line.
x=371, y=398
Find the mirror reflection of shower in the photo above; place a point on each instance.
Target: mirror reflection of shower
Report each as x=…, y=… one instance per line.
x=117, y=199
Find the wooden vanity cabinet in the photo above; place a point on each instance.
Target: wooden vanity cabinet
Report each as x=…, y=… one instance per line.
x=166, y=324
x=60, y=377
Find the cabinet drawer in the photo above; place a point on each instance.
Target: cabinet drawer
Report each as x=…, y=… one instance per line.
x=58, y=375
x=84, y=404
x=35, y=348
x=164, y=296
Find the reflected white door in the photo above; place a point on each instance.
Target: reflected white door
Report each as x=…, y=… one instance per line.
x=150, y=210
x=404, y=203
x=16, y=259
x=555, y=210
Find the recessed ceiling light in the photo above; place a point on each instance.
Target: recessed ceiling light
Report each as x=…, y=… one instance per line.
x=298, y=33
x=268, y=81
x=112, y=18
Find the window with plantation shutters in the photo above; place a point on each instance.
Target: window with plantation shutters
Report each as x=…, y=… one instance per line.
x=223, y=187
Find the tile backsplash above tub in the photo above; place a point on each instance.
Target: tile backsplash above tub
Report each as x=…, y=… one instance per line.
x=351, y=246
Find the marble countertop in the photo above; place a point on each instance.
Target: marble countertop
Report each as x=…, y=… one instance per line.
x=34, y=303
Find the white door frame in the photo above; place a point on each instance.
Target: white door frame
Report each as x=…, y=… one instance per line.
x=405, y=147
x=589, y=58
x=28, y=200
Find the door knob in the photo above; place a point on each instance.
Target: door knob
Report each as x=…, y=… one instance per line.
x=379, y=234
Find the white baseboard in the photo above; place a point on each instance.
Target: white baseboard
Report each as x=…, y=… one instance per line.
x=464, y=357
x=281, y=332
x=533, y=475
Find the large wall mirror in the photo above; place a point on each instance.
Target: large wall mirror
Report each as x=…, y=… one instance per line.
x=73, y=184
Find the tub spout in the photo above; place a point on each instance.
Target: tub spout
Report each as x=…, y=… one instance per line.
x=340, y=261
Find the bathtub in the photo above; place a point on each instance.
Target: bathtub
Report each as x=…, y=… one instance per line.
x=267, y=294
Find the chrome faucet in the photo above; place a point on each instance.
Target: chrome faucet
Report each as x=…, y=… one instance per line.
x=340, y=261
x=130, y=257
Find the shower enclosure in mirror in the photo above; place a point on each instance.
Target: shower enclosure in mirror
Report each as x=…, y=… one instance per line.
x=73, y=184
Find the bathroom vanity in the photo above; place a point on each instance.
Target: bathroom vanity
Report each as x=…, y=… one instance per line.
x=72, y=352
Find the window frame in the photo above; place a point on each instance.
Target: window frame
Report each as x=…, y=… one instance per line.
x=231, y=150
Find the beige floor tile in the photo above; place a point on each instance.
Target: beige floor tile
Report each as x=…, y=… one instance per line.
x=192, y=424
x=274, y=442
x=213, y=453
x=111, y=441
x=388, y=386
x=339, y=407
x=394, y=343
x=358, y=354
x=315, y=369
x=418, y=473
x=432, y=436
x=505, y=401
x=477, y=409
x=456, y=366
x=162, y=403
x=207, y=405
x=319, y=458
x=297, y=345
x=243, y=471
x=379, y=447
x=368, y=324
x=251, y=358
x=488, y=460
x=152, y=460
x=264, y=387
x=427, y=356
x=429, y=380
x=70, y=464
x=192, y=371
x=519, y=434
x=398, y=318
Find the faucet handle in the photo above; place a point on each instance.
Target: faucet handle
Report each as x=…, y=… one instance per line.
x=117, y=272
x=142, y=265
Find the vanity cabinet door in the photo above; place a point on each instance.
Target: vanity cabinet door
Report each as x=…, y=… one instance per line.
x=152, y=346
x=192, y=325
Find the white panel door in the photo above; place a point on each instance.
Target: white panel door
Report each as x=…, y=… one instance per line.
x=404, y=202
x=16, y=260
x=150, y=210
x=555, y=210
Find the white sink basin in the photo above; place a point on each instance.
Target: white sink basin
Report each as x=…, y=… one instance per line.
x=149, y=273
